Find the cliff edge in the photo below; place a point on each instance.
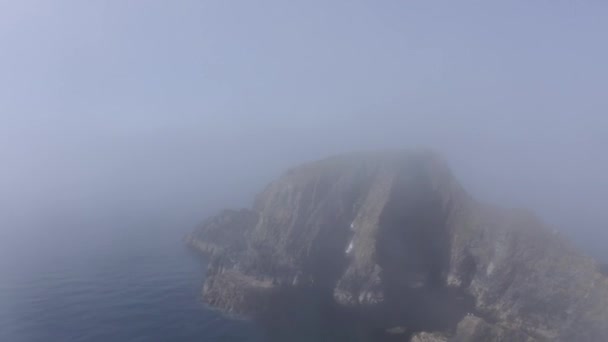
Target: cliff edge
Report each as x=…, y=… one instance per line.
x=391, y=241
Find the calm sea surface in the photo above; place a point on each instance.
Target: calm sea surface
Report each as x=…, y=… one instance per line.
x=116, y=284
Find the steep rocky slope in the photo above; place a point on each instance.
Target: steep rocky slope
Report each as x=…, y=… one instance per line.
x=390, y=243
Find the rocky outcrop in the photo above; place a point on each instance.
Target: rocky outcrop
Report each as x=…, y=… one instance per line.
x=429, y=337
x=392, y=239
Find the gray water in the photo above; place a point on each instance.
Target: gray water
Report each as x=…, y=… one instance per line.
x=130, y=282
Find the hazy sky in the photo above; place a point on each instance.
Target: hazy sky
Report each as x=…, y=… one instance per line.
x=175, y=107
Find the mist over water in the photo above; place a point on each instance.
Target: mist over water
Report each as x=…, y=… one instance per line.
x=123, y=125
x=136, y=283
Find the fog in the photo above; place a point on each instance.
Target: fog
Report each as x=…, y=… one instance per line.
x=163, y=111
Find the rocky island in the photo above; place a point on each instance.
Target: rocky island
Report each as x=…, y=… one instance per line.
x=388, y=246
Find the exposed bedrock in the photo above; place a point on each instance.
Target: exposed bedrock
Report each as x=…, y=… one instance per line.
x=388, y=246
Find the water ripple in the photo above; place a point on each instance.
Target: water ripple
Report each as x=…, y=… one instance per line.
x=116, y=295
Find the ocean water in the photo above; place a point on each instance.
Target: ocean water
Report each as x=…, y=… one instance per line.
x=107, y=284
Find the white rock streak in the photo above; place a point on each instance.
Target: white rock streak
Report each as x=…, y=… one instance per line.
x=349, y=248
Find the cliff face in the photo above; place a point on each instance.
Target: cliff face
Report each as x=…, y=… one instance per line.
x=391, y=239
